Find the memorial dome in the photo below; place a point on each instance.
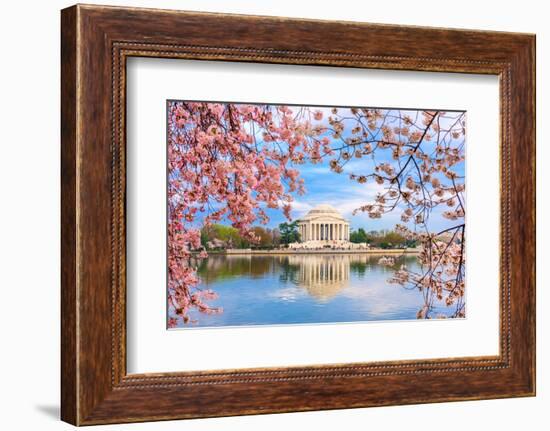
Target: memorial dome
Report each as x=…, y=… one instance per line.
x=323, y=210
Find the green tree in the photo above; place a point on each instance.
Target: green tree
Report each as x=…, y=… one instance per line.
x=289, y=232
x=358, y=236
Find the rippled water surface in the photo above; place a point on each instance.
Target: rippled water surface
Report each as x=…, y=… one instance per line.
x=290, y=289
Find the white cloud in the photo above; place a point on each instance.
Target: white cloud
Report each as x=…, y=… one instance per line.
x=345, y=201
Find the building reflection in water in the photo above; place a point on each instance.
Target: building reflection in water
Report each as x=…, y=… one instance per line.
x=322, y=276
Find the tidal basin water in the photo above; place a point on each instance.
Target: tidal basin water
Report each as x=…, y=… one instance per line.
x=304, y=288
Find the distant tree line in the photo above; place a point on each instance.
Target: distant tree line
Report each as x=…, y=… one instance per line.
x=381, y=239
x=221, y=237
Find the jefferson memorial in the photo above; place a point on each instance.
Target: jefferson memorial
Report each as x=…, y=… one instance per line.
x=322, y=227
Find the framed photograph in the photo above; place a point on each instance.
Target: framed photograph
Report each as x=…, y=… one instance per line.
x=266, y=215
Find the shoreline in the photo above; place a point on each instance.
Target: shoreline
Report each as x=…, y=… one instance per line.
x=247, y=252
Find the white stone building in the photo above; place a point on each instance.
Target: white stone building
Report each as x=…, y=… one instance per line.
x=324, y=227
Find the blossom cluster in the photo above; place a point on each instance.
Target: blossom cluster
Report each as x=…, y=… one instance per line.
x=228, y=162
x=419, y=163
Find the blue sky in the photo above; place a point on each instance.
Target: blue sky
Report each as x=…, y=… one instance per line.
x=326, y=187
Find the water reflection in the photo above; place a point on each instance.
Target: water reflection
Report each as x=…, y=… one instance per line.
x=322, y=276
x=304, y=288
